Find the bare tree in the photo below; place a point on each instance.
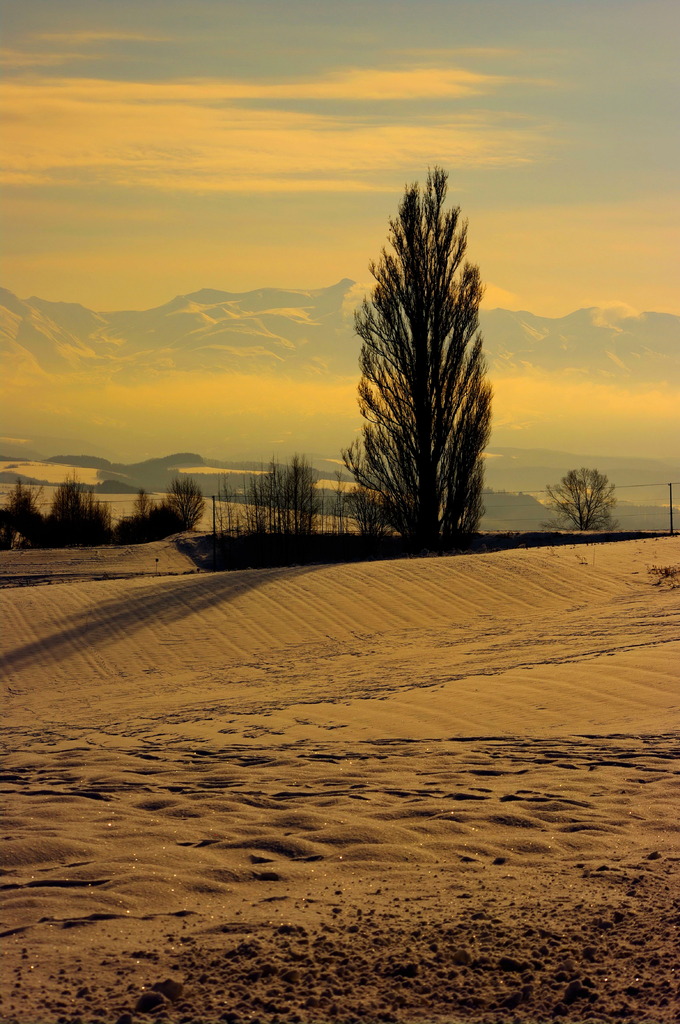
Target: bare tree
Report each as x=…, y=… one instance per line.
x=339, y=505
x=423, y=390
x=301, y=497
x=22, y=521
x=77, y=517
x=229, y=512
x=284, y=500
x=263, y=498
x=367, y=509
x=583, y=499
x=186, y=500
x=143, y=504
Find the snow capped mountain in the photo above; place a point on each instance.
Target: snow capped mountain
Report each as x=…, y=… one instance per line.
x=264, y=331
x=303, y=334
x=601, y=343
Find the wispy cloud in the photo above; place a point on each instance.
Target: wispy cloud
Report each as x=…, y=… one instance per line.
x=377, y=84
x=15, y=59
x=85, y=37
x=358, y=84
x=55, y=49
x=438, y=52
x=200, y=135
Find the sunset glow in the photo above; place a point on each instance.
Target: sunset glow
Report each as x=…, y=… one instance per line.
x=266, y=143
x=149, y=154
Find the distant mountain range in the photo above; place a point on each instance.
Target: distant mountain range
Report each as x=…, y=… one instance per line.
x=305, y=334
x=517, y=470
x=264, y=331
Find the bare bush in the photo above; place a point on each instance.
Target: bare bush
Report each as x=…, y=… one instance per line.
x=150, y=520
x=665, y=574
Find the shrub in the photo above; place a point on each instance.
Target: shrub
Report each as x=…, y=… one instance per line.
x=669, y=574
x=149, y=521
x=77, y=517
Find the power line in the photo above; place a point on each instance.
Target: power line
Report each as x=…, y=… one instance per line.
x=618, y=487
x=667, y=483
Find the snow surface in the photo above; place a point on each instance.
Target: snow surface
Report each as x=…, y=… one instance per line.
x=433, y=789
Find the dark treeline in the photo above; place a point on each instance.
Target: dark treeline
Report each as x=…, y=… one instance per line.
x=279, y=515
x=262, y=550
x=76, y=517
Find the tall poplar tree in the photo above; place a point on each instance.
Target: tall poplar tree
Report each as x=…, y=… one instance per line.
x=423, y=391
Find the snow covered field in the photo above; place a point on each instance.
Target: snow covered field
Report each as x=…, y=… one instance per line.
x=438, y=789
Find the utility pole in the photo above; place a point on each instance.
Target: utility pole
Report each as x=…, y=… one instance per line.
x=670, y=505
x=214, y=537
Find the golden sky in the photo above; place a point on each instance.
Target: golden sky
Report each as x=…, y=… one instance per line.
x=150, y=151
x=156, y=148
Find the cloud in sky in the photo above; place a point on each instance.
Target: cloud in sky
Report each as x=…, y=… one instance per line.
x=45, y=47
x=353, y=83
x=85, y=36
x=188, y=135
x=150, y=150
x=36, y=58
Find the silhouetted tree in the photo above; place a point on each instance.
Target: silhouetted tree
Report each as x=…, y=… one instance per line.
x=339, y=502
x=367, y=509
x=229, y=508
x=186, y=500
x=301, y=499
x=262, y=500
x=163, y=520
x=423, y=390
x=284, y=500
x=143, y=504
x=21, y=521
x=77, y=517
x=583, y=499
x=146, y=523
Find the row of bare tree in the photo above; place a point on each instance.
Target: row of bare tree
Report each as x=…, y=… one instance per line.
x=285, y=500
x=77, y=517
